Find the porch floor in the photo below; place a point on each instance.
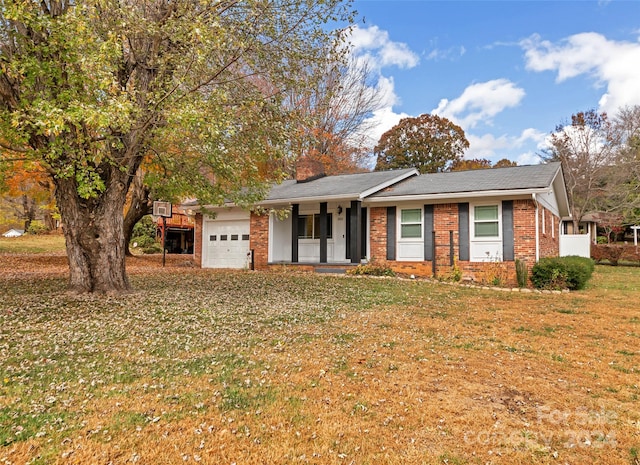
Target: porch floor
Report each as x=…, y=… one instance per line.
x=328, y=268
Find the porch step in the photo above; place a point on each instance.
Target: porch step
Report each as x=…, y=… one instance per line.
x=333, y=270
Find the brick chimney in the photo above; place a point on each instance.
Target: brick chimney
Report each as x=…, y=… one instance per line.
x=308, y=169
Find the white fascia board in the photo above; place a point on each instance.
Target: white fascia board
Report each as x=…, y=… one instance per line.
x=457, y=195
x=561, y=193
x=391, y=182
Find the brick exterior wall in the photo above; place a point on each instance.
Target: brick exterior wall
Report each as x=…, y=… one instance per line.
x=259, y=240
x=524, y=231
x=378, y=246
x=197, y=240
x=378, y=233
x=549, y=241
x=446, y=220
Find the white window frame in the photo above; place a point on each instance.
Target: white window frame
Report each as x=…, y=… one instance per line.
x=472, y=222
x=314, y=217
x=421, y=223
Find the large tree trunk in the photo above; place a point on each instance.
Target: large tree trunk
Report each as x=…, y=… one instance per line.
x=141, y=205
x=93, y=230
x=28, y=211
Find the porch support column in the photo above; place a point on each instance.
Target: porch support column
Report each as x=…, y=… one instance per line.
x=323, y=232
x=295, y=209
x=355, y=236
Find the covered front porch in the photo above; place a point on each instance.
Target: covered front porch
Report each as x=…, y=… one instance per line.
x=321, y=233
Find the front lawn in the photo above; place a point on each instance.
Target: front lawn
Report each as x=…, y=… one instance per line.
x=210, y=367
x=34, y=244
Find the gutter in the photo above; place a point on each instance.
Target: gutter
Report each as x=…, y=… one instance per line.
x=456, y=195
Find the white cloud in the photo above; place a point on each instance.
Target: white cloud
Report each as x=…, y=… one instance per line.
x=485, y=146
x=610, y=63
x=480, y=102
x=451, y=53
x=381, y=121
x=505, y=146
x=528, y=158
x=375, y=44
x=385, y=89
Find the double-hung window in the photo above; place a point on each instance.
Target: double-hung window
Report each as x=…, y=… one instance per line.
x=486, y=222
x=309, y=226
x=411, y=223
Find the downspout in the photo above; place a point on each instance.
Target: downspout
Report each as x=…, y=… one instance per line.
x=269, y=240
x=535, y=201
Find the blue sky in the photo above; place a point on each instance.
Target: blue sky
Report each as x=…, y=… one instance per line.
x=508, y=72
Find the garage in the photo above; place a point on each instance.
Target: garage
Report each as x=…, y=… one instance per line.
x=226, y=243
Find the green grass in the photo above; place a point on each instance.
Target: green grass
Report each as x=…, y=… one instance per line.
x=615, y=278
x=46, y=243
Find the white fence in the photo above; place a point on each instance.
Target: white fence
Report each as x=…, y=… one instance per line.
x=575, y=244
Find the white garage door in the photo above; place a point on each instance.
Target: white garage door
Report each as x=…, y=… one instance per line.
x=227, y=244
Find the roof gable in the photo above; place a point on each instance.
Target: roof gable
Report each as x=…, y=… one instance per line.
x=338, y=187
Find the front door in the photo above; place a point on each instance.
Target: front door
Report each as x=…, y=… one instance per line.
x=363, y=232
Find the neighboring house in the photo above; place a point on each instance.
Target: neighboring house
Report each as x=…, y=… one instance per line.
x=179, y=230
x=588, y=225
x=14, y=233
x=474, y=222
x=578, y=241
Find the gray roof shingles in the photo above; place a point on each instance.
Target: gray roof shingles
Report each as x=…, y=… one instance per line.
x=456, y=182
x=496, y=179
x=345, y=185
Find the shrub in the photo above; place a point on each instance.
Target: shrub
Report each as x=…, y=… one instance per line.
x=143, y=241
x=36, y=227
x=494, y=273
x=145, y=227
x=372, y=269
x=155, y=248
x=610, y=252
x=580, y=271
x=562, y=273
x=456, y=272
x=144, y=235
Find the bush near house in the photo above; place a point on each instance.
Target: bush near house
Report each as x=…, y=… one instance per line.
x=557, y=273
x=614, y=253
x=144, y=236
x=371, y=269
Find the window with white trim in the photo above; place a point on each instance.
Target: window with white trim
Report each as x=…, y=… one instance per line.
x=411, y=223
x=309, y=226
x=486, y=221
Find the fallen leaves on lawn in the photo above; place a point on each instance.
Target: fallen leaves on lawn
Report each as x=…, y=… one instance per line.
x=241, y=367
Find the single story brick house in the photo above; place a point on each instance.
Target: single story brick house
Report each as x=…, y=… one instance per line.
x=476, y=223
